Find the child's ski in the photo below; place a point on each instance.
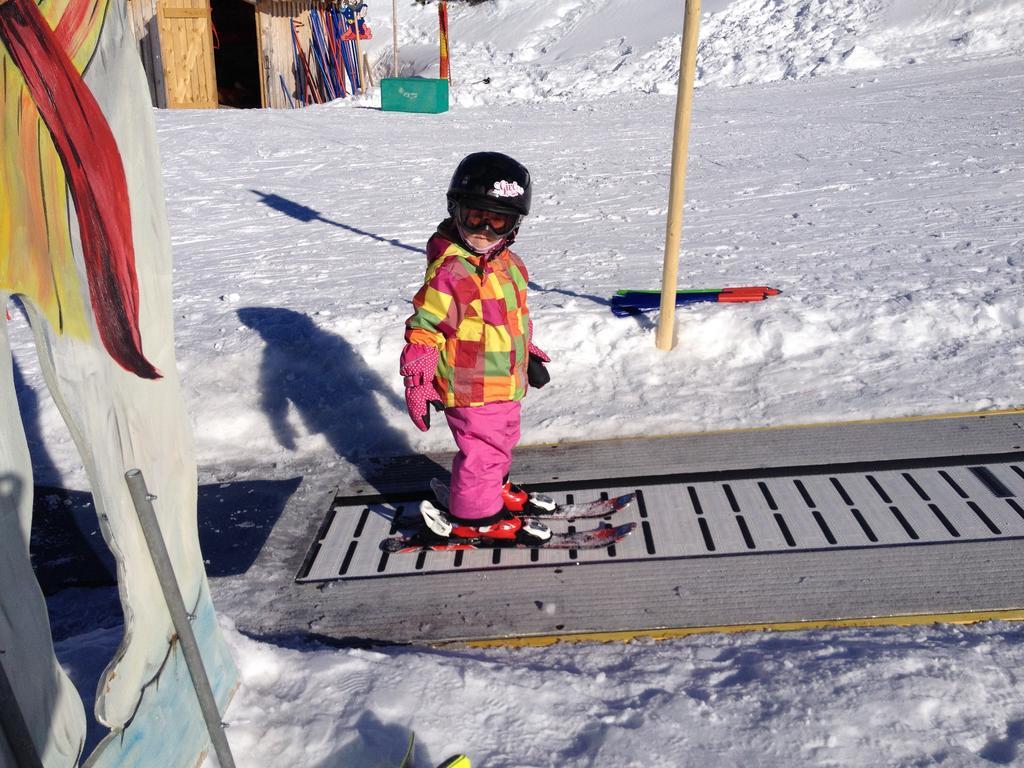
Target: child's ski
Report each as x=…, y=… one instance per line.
x=427, y=540
x=598, y=508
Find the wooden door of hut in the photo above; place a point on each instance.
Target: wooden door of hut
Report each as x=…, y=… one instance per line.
x=186, y=47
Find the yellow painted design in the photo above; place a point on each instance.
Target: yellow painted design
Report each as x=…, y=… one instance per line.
x=668, y=633
x=36, y=253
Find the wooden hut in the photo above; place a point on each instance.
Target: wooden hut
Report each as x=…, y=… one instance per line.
x=176, y=44
x=210, y=53
x=275, y=21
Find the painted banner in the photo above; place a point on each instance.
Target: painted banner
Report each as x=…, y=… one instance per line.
x=84, y=244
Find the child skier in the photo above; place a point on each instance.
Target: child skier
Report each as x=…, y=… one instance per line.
x=469, y=349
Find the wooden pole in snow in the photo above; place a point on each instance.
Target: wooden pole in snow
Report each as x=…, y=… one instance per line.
x=368, y=70
x=665, y=336
x=394, y=38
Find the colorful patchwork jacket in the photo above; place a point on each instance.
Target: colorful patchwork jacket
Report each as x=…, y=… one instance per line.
x=474, y=312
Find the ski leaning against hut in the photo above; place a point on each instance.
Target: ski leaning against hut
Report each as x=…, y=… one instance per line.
x=469, y=351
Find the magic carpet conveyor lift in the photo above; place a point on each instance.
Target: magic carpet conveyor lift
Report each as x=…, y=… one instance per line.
x=890, y=522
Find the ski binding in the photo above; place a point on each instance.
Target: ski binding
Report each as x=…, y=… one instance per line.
x=546, y=508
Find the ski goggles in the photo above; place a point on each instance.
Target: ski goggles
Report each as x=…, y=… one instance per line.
x=477, y=220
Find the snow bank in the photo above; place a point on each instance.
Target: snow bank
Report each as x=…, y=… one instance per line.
x=857, y=698
x=535, y=50
x=920, y=696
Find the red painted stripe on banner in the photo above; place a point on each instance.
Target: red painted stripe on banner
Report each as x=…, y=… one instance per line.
x=96, y=179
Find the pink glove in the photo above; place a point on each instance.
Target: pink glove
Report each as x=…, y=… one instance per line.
x=418, y=365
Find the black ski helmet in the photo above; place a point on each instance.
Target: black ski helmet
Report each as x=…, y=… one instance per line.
x=490, y=181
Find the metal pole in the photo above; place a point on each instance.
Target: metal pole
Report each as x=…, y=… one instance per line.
x=13, y=724
x=394, y=38
x=664, y=337
x=143, y=501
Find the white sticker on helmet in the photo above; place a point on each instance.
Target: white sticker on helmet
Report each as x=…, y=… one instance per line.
x=507, y=189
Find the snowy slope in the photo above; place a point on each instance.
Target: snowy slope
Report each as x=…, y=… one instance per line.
x=587, y=49
x=867, y=158
x=887, y=209
x=884, y=204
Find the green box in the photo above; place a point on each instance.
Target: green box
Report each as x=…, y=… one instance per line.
x=413, y=94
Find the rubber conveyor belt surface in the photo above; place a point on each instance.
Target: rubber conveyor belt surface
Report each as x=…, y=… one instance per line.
x=680, y=518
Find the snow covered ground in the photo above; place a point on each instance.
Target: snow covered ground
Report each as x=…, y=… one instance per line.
x=922, y=696
x=865, y=157
x=886, y=205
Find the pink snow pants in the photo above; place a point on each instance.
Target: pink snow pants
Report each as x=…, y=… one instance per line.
x=485, y=435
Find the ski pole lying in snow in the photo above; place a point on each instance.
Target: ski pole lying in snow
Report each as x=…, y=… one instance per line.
x=633, y=302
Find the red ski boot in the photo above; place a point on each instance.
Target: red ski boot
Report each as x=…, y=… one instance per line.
x=504, y=525
x=524, y=502
x=516, y=500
